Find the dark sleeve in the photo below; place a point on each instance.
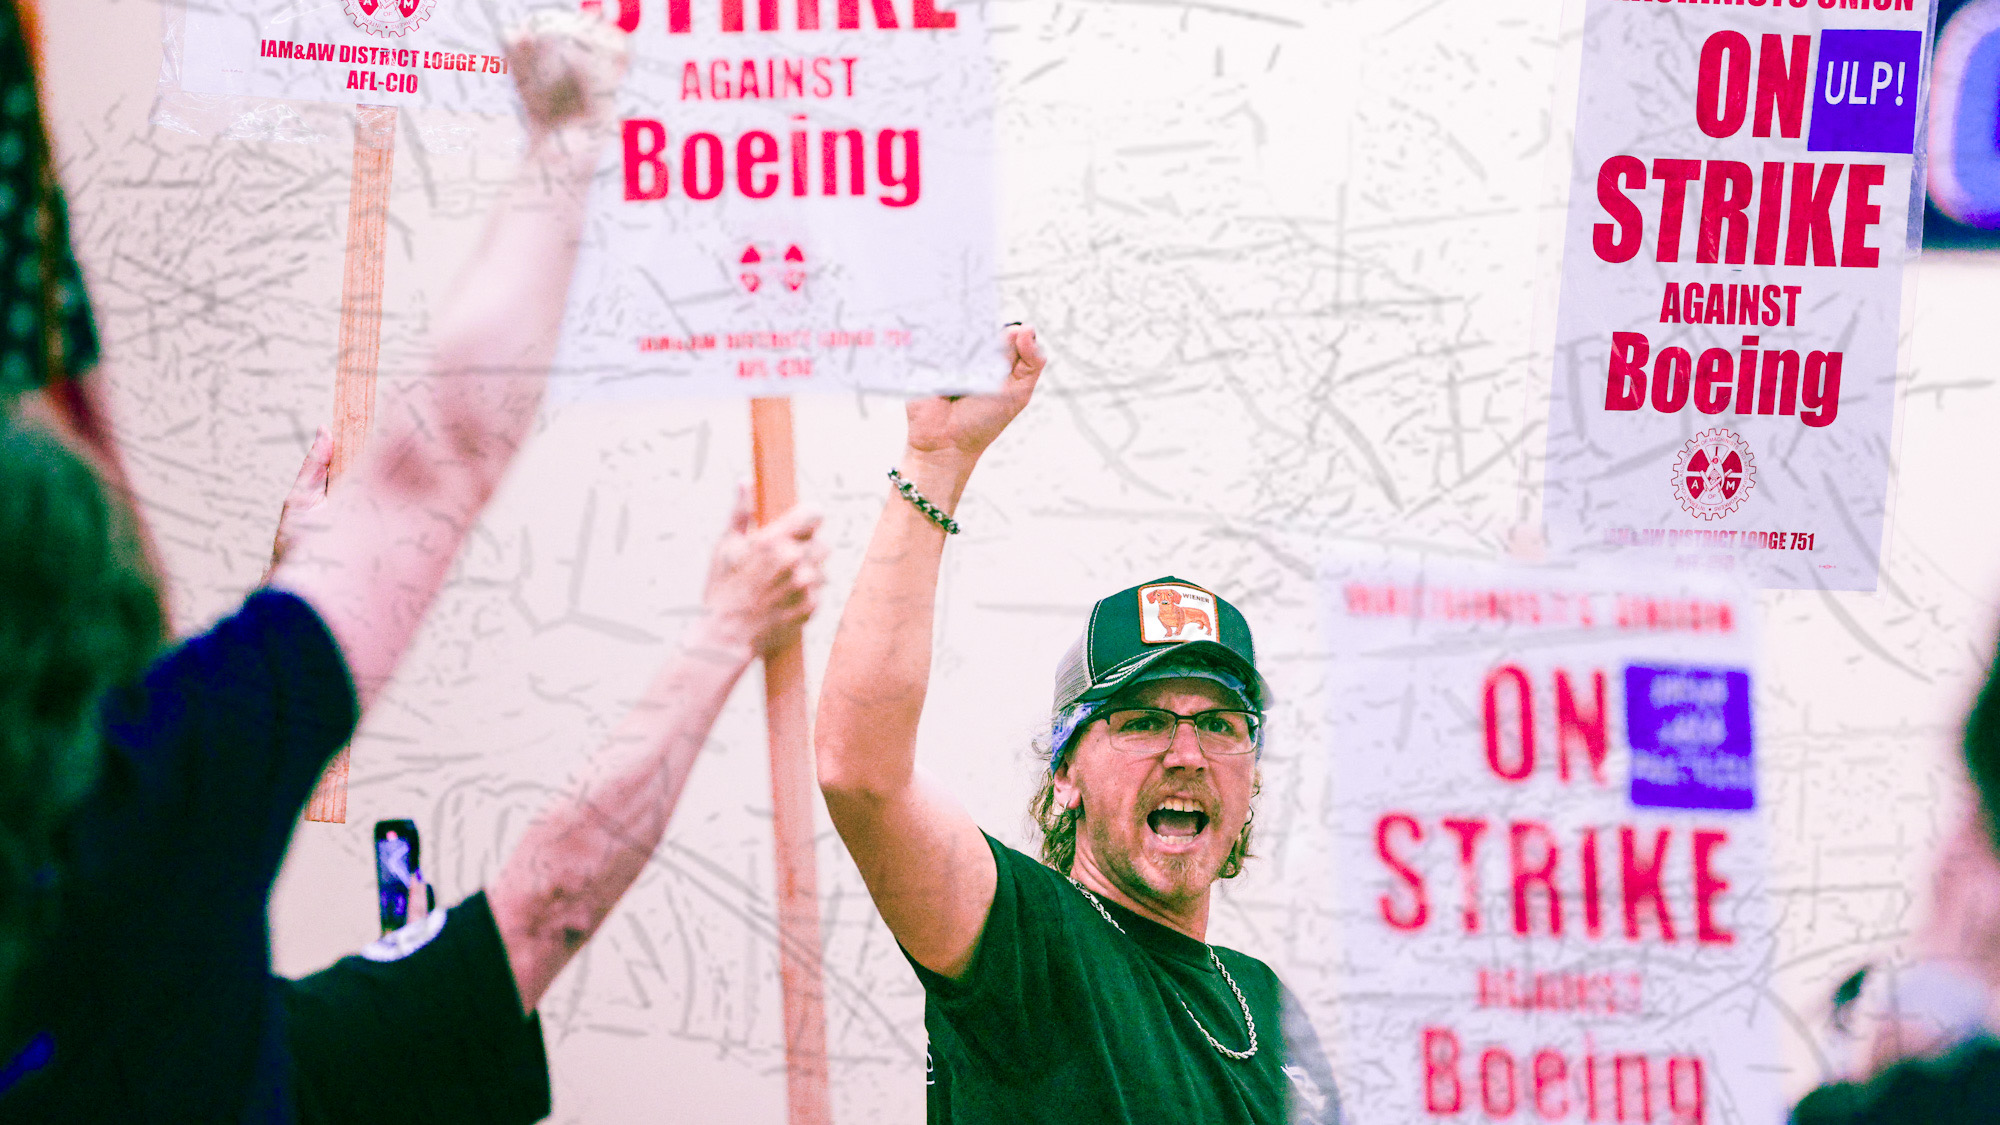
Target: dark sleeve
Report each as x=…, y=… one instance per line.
x=1962, y=1085
x=1311, y=1094
x=1833, y=1104
x=435, y=1036
x=230, y=730
x=999, y=1006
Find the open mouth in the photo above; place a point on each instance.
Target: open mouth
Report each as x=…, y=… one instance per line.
x=1177, y=818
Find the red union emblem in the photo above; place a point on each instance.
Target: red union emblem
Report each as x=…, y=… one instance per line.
x=389, y=17
x=1714, y=473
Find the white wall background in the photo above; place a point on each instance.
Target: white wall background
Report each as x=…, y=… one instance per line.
x=1283, y=252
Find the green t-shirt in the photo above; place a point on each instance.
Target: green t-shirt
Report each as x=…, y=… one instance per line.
x=1061, y=1018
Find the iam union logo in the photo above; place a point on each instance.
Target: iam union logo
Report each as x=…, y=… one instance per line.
x=1714, y=473
x=389, y=17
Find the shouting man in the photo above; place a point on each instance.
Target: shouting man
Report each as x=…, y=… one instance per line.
x=1080, y=988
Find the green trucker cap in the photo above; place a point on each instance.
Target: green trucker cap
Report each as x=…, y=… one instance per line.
x=1165, y=619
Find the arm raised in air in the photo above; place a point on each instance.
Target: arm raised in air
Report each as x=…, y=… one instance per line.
x=586, y=848
x=924, y=860
x=371, y=559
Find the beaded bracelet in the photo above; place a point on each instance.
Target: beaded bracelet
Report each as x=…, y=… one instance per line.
x=931, y=511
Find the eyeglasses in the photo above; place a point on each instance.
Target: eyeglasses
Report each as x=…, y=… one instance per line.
x=1151, y=730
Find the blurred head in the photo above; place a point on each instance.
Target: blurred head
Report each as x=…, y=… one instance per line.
x=79, y=610
x=1154, y=743
x=79, y=615
x=1982, y=749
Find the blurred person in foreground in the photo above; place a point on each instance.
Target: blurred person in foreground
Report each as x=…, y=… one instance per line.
x=139, y=837
x=436, y=1022
x=1080, y=988
x=1929, y=1052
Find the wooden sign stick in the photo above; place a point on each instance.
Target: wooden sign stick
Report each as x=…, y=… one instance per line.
x=801, y=976
x=360, y=347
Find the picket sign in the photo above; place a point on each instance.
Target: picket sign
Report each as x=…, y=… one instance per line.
x=801, y=977
x=360, y=348
x=1735, y=292
x=1551, y=841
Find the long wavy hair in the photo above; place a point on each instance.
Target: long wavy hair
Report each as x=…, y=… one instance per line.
x=80, y=615
x=1058, y=824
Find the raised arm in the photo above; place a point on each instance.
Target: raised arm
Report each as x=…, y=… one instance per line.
x=923, y=858
x=586, y=849
x=371, y=559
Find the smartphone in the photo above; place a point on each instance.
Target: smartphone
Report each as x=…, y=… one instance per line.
x=398, y=859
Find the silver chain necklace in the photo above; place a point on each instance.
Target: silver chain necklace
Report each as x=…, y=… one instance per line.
x=1249, y=1022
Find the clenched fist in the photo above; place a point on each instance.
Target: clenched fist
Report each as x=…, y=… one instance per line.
x=567, y=66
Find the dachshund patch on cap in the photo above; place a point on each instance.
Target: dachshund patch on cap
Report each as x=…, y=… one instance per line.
x=1171, y=612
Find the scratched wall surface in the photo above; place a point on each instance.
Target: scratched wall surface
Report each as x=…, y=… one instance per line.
x=1284, y=254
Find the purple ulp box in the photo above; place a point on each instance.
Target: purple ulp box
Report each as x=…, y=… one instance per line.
x=1689, y=730
x=1864, y=94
